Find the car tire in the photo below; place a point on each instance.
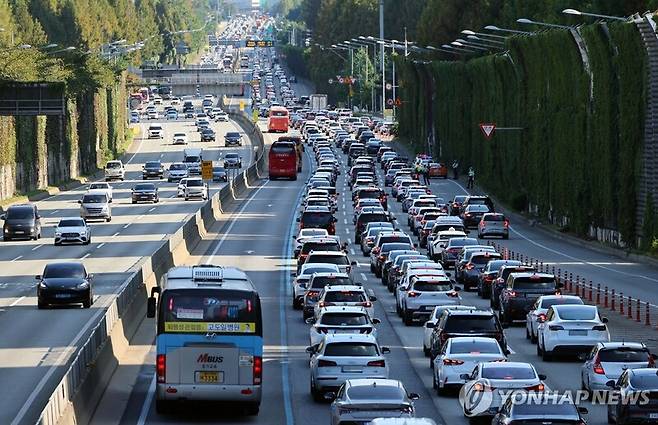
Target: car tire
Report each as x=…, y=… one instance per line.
x=56, y=243
x=398, y=310
x=87, y=242
x=108, y=219
x=426, y=351
x=252, y=409
x=533, y=338
x=41, y=306
x=527, y=333
x=317, y=395
x=88, y=303
x=546, y=355
x=407, y=318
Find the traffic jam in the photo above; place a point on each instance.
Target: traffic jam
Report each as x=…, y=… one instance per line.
x=434, y=263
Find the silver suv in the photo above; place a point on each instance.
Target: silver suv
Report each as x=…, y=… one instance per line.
x=95, y=204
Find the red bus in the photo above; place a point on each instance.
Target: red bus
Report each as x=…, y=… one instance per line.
x=278, y=119
x=297, y=140
x=283, y=160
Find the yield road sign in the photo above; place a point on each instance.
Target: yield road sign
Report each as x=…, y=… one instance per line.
x=488, y=129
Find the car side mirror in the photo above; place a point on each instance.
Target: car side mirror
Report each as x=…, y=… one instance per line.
x=90, y=276
x=507, y=351
x=79, y=201
x=376, y=321
x=309, y=321
x=298, y=219
x=385, y=350
x=353, y=263
x=430, y=325
x=372, y=298
x=330, y=396
x=465, y=376
x=504, y=325
x=457, y=288
x=449, y=274
x=542, y=376
x=583, y=410
x=414, y=396
x=604, y=320
x=611, y=383
x=37, y=277
x=310, y=349
x=150, y=307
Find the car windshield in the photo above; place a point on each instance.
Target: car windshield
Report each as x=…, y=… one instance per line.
x=192, y=158
x=94, y=199
x=99, y=186
x=177, y=167
x=322, y=281
x=508, y=372
x=145, y=186
x=195, y=183
x=546, y=303
x=379, y=392
x=231, y=156
x=71, y=222
x=432, y=286
x=179, y=135
x=455, y=243
x=351, y=349
x=20, y=213
x=59, y=271
x=535, y=282
x=624, y=355
x=316, y=218
x=113, y=165
x=475, y=347
x=475, y=323
x=577, y=313
x=231, y=134
x=344, y=319
x=644, y=381
x=345, y=297
x=340, y=260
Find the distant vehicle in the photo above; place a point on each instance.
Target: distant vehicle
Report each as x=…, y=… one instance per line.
x=192, y=157
x=155, y=131
x=233, y=138
x=232, y=160
x=152, y=169
x=114, y=170
x=72, y=230
x=177, y=171
x=21, y=221
x=318, y=102
x=278, y=119
x=95, y=204
x=134, y=117
x=102, y=186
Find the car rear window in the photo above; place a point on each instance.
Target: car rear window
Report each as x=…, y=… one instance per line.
x=316, y=218
x=508, y=372
x=462, y=242
x=432, y=286
x=380, y=392
x=624, y=355
x=481, y=259
x=320, y=246
x=367, y=218
x=344, y=319
x=477, y=208
x=475, y=347
x=494, y=217
x=345, y=297
x=387, y=247
x=577, y=314
x=544, y=409
x=351, y=349
x=535, y=282
x=557, y=301
x=339, y=260
x=475, y=323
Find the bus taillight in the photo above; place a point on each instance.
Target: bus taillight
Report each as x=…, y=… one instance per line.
x=258, y=370
x=161, y=367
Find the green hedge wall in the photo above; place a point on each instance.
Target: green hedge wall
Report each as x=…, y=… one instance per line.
x=579, y=153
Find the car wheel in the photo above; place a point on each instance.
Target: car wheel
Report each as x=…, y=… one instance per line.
x=545, y=355
x=41, y=306
x=88, y=241
x=426, y=351
x=56, y=243
x=434, y=384
x=317, y=396
x=527, y=333
x=108, y=219
x=533, y=337
x=87, y=303
x=398, y=310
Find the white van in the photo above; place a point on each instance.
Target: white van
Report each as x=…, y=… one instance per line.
x=114, y=170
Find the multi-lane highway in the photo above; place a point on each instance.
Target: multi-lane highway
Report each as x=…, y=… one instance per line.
x=36, y=345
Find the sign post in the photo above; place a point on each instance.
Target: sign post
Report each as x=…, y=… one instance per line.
x=206, y=170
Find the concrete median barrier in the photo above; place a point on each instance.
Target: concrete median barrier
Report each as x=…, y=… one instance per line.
x=76, y=396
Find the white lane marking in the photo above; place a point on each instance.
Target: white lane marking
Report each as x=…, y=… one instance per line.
x=147, y=403
x=127, y=225
x=511, y=351
x=17, y=258
x=344, y=220
x=85, y=256
x=37, y=247
x=151, y=210
x=16, y=301
x=349, y=241
x=352, y=251
x=140, y=217
x=567, y=255
x=347, y=231
x=100, y=245
x=363, y=276
x=54, y=212
x=115, y=235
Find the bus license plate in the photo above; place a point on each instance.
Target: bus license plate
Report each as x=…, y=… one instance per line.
x=205, y=377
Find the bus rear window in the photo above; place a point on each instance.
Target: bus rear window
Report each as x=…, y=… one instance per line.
x=202, y=311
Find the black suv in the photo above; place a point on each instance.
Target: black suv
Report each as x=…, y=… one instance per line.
x=476, y=200
x=489, y=275
x=521, y=292
x=499, y=282
x=153, y=169
x=21, y=221
x=366, y=217
x=207, y=135
x=474, y=323
x=232, y=138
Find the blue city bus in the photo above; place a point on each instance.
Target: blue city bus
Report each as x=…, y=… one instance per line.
x=209, y=341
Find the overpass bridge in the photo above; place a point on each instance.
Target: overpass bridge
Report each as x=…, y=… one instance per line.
x=184, y=81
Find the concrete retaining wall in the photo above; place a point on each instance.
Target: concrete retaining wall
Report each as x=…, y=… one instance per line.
x=80, y=389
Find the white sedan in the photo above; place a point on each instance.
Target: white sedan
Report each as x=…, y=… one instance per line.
x=571, y=329
x=305, y=234
x=460, y=356
x=102, y=186
x=539, y=309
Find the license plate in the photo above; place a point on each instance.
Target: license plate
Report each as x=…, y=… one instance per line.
x=214, y=377
x=62, y=295
x=653, y=415
x=578, y=332
x=352, y=369
x=19, y=232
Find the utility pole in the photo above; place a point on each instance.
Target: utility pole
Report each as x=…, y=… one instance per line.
x=381, y=37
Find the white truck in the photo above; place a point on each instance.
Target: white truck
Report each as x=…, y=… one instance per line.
x=318, y=102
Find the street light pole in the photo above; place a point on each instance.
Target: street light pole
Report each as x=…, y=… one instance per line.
x=381, y=36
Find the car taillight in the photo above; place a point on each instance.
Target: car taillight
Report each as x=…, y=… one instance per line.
x=506, y=223
x=511, y=294
x=332, y=229
x=482, y=388
x=161, y=367
x=652, y=362
x=469, y=266
x=326, y=363
x=422, y=222
x=452, y=362
x=467, y=214
x=541, y=317
x=538, y=387
x=377, y=363
x=488, y=278
x=556, y=328
x=376, y=250
x=366, y=304
x=381, y=257
x=312, y=293
x=324, y=304
x=597, y=368
x=599, y=328
x=258, y=370
x=453, y=294
x=418, y=217
x=413, y=294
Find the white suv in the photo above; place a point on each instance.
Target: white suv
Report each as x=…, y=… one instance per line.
x=114, y=170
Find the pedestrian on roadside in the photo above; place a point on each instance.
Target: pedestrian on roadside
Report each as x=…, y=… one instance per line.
x=455, y=169
x=426, y=175
x=471, y=178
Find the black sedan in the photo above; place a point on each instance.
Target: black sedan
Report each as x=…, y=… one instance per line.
x=145, y=192
x=153, y=169
x=64, y=283
x=233, y=138
x=207, y=135
x=219, y=174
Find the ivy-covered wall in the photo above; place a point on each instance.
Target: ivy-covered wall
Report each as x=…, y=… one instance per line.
x=577, y=161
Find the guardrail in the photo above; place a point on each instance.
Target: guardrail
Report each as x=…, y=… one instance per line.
x=78, y=392
x=592, y=292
